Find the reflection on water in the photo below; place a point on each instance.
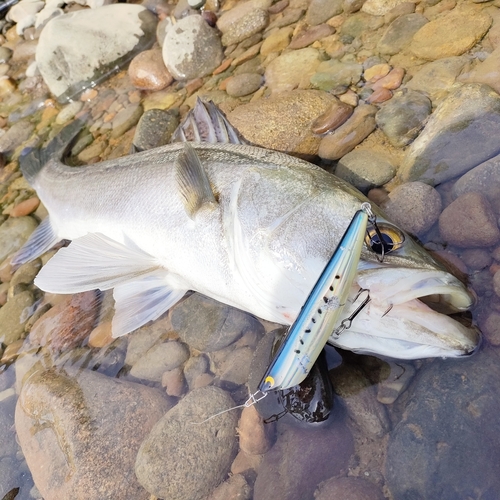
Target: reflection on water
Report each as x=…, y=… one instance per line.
x=86, y=416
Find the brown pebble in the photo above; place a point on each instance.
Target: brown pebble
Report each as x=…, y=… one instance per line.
x=350, y=97
x=244, y=462
x=311, y=35
x=376, y=72
x=494, y=268
x=377, y=195
x=134, y=97
x=88, y=95
x=193, y=85
x=380, y=95
x=101, y=335
x=224, y=65
x=278, y=7
x=147, y=71
x=491, y=328
x=391, y=81
x=26, y=207
x=255, y=436
x=203, y=380
x=174, y=382
x=333, y=118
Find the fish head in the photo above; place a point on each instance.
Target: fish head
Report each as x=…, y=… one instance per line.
x=411, y=296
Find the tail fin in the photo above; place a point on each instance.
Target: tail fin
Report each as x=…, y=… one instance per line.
x=32, y=161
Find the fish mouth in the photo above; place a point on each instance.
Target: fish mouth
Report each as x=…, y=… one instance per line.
x=406, y=317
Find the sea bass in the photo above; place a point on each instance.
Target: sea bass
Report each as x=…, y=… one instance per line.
x=249, y=227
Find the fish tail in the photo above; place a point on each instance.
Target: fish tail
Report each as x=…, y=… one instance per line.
x=32, y=160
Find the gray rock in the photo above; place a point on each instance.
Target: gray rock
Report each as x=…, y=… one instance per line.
x=83, y=46
x=14, y=315
x=243, y=84
x=365, y=169
x=403, y=116
x=320, y=11
x=15, y=136
x=414, y=206
x=236, y=368
x=332, y=74
x=195, y=366
x=160, y=358
x=253, y=22
x=80, y=432
x=235, y=488
x=192, y=49
x=301, y=459
x=459, y=135
x=477, y=259
x=155, y=128
x=182, y=460
x=126, y=119
x=13, y=234
x=26, y=273
x=445, y=446
x=8, y=445
x=484, y=179
x=348, y=488
x=359, y=23
x=207, y=325
x=399, y=33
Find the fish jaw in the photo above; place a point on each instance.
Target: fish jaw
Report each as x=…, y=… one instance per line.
x=395, y=323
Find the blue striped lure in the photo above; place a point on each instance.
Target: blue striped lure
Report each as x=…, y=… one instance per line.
x=321, y=312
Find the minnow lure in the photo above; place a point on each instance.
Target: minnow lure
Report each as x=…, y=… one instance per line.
x=321, y=312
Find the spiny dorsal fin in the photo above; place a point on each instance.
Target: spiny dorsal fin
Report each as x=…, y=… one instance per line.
x=193, y=182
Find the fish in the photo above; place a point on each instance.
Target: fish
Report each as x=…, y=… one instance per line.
x=247, y=226
x=321, y=312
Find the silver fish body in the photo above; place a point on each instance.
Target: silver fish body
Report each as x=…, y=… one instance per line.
x=256, y=234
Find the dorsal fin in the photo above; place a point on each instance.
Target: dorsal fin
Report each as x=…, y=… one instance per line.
x=206, y=123
x=193, y=182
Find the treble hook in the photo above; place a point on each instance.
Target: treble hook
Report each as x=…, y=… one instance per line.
x=347, y=323
x=372, y=219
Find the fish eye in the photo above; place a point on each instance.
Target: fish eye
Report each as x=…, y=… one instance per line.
x=392, y=239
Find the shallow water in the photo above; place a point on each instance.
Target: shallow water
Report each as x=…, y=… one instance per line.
x=400, y=430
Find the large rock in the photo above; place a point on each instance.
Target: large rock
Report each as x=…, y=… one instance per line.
x=446, y=445
x=400, y=32
x=459, y=135
x=283, y=121
x=487, y=72
x=80, y=433
x=13, y=234
x=84, y=46
x=184, y=459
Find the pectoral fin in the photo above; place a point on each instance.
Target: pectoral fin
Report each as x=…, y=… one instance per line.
x=94, y=261
x=142, y=300
x=193, y=182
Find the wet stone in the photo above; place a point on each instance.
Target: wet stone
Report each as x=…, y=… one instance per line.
x=199, y=456
x=290, y=16
x=476, y=258
x=365, y=169
x=26, y=273
x=147, y=71
x=379, y=7
x=155, y=128
x=192, y=49
x=15, y=136
x=399, y=377
x=174, y=382
x=195, y=367
x=469, y=222
x=8, y=445
x=5, y=54
x=460, y=134
x=207, y=325
x=348, y=488
x=252, y=23
x=490, y=326
x=400, y=32
x=311, y=35
x=243, y=84
x=235, y=368
x=332, y=74
x=402, y=118
x=235, y=488
x=13, y=316
x=90, y=439
x=333, y=118
x=255, y=437
x=239, y=11
x=277, y=41
x=486, y=71
x=10, y=476
x=126, y=119
x=414, y=206
x=359, y=23
x=320, y=11
x=159, y=359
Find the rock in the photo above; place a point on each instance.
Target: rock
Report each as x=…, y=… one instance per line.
x=126, y=119
x=68, y=112
x=402, y=118
x=147, y=71
x=276, y=41
x=311, y=35
x=301, y=459
x=282, y=73
x=14, y=315
x=80, y=432
x=235, y=368
x=155, y=128
x=245, y=464
x=283, y=121
x=345, y=138
x=414, y=206
x=485, y=72
x=450, y=35
x=380, y=7
x=458, y=136
x=365, y=169
x=476, y=258
x=396, y=382
x=290, y=16
x=374, y=73
x=68, y=323
x=391, y=81
x=199, y=456
x=8, y=445
x=436, y=79
x=195, y=367
x=15, y=136
x=445, y=443
x=26, y=207
x=255, y=436
x=192, y=49
x=207, y=325
x=333, y=118
x=253, y=22
x=484, y=179
x=10, y=477
x=399, y=33
x=174, y=382
x=243, y=84
x=101, y=335
x=490, y=327
x=159, y=359
x=469, y=222
x=235, y=488
x=379, y=96
x=358, y=396
x=236, y=14
x=332, y=74
x=91, y=42
x=26, y=273
x=320, y=11
x=348, y=488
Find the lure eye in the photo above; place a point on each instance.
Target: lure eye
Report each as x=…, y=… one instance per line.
x=392, y=239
